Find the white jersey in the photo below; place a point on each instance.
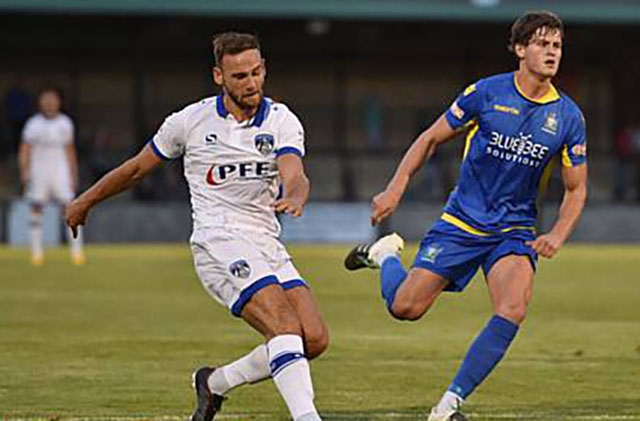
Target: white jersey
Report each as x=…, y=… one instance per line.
x=231, y=167
x=48, y=138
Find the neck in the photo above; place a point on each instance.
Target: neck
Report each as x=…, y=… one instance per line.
x=533, y=86
x=239, y=113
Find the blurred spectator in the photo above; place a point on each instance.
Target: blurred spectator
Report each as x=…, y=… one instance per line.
x=19, y=106
x=624, y=151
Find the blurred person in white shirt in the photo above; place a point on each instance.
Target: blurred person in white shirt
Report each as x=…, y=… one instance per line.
x=49, y=168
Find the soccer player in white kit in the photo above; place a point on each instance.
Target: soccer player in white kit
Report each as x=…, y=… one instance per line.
x=49, y=168
x=242, y=157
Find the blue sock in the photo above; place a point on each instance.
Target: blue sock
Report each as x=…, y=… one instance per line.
x=392, y=274
x=483, y=355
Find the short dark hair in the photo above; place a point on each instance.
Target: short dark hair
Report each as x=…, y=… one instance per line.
x=233, y=43
x=525, y=27
x=50, y=88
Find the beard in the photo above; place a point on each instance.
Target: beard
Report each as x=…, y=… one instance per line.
x=242, y=102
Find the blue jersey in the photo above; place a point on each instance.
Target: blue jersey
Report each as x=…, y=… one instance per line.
x=510, y=146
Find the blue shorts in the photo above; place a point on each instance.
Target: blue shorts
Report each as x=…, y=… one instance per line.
x=456, y=255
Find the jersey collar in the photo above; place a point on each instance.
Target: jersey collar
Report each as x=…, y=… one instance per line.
x=258, y=118
x=220, y=108
x=551, y=95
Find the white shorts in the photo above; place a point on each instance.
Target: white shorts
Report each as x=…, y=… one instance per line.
x=233, y=265
x=45, y=187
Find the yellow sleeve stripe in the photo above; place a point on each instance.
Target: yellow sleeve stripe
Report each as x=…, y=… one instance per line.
x=566, y=160
x=471, y=230
x=545, y=178
x=467, y=144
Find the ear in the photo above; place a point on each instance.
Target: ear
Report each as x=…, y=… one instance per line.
x=519, y=50
x=264, y=67
x=217, y=75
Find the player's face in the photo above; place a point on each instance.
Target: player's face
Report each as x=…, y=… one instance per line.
x=542, y=56
x=242, y=77
x=49, y=104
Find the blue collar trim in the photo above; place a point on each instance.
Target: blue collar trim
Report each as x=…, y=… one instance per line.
x=258, y=118
x=222, y=111
x=262, y=113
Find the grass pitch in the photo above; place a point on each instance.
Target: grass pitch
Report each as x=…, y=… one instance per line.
x=119, y=337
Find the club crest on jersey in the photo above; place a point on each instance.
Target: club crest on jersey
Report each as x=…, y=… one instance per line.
x=551, y=124
x=211, y=139
x=431, y=253
x=264, y=143
x=240, y=269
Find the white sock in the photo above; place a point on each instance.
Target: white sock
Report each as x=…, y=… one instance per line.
x=75, y=243
x=36, y=235
x=251, y=368
x=291, y=374
x=385, y=256
x=449, y=402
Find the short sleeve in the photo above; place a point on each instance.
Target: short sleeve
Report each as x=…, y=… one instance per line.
x=290, y=136
x=574, y=145
x=168, y=142
x=29, y=135
x=466, y=107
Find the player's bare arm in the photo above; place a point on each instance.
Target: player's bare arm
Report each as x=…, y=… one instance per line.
x=114, y=182
x=385, y=203
x=72, y=159
x=295, y=185
x=575, y=195
x=24, y=162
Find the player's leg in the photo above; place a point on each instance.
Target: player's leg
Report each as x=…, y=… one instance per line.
x=510, y=280
x=444, y=261
x=407, y=295
x=63, y=193
x=254, y=367
x=270, y=312
x=249, y=289
x=415, y=295
x=314, y=331
x=35, y=233
x=37, y=195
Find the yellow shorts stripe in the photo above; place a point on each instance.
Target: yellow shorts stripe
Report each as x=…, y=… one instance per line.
x=471, y=230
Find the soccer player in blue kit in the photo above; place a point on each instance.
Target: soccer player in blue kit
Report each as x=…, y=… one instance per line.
x=516, y=124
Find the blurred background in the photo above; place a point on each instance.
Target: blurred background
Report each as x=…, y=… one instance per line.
x=364, y=76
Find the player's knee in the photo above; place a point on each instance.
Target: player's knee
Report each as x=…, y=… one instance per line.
x=515, y=312
x=407, y=310
x=316, y=342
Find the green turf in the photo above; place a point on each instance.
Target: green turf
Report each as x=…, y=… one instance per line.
x=119, y=338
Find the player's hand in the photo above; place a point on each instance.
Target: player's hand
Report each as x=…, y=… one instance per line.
x=289, y=205
x=547, y=245
x=383, y=205
x=75, y=215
